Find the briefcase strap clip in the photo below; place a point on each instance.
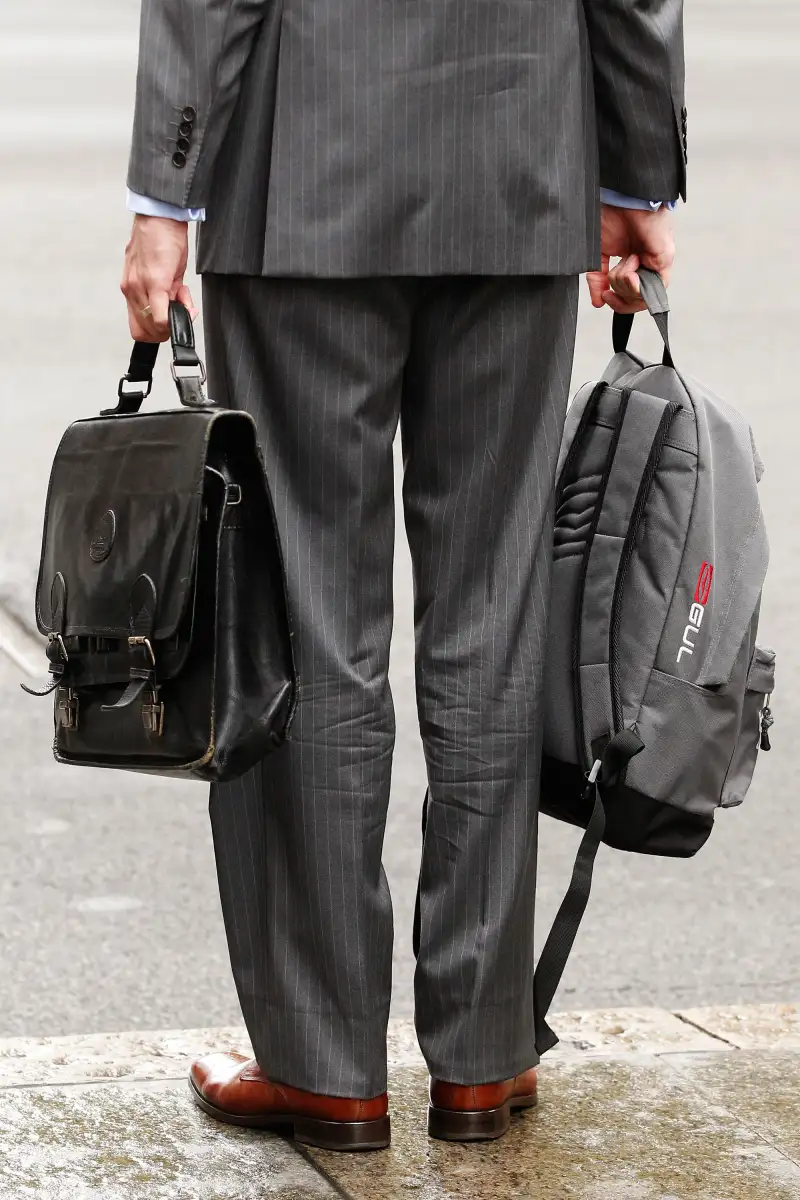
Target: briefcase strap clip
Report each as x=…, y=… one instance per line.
x=143, y=641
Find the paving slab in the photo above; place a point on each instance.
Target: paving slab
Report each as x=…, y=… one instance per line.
x=139, y=1142
x=636, y=1104
x=166, y=1054
x=619, y=1030
x=94, y=1057
x=752, y=1026
x=764, y=1087
x=626, y=1128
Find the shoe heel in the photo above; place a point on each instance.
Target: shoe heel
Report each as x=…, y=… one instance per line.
x=450, y=1126
x=343, y=1135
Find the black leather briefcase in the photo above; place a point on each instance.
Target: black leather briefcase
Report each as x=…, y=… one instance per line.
x=161, y=587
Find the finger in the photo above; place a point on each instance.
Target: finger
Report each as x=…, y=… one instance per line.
x=185, y=297
x=140, y=331
x=598, y=283
x=624, y=280
x=158, y=301
x=136, y=301
x=619, y=305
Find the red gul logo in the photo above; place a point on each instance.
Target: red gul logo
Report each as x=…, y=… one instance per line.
x=697, y=611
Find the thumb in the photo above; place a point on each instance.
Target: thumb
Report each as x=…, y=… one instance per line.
x=598, y=281
x=185, y=297
x=598, y=284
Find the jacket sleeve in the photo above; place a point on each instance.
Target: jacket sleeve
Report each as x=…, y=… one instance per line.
x=191, y=57
x=636, y=48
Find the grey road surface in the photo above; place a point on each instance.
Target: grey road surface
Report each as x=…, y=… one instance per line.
x=109, y=917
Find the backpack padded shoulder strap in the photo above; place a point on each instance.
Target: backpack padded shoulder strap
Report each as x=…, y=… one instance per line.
x=645, y=422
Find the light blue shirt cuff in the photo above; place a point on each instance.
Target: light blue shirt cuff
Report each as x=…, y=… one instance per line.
x=158, y=208
x=620, y=200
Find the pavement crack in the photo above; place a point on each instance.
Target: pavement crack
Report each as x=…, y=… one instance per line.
x=707, y=1032
x=320, y=1170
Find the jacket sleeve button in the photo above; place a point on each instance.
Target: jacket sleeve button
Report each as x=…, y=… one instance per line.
x=183, y=144
x=189, y=113
x=179, y=159
x=185, y=128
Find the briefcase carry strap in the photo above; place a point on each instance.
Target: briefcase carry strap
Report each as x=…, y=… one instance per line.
x=184, y=359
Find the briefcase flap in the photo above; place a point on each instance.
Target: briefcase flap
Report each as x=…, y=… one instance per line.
x=125, y=501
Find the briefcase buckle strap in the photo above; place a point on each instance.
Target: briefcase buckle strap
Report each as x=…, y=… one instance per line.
x=152, y=707
x=56, y=650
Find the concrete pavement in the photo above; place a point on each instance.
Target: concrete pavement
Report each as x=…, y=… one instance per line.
x=633, y=1105
x=109, y=917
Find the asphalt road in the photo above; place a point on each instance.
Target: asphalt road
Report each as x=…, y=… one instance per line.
x=109, y=917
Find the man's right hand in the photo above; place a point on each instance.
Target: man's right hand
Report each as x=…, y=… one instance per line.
x=155, y=264
x=637, y=237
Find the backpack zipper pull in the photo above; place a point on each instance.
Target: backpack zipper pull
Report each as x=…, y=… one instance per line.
x=767, y=721
x=591, y=778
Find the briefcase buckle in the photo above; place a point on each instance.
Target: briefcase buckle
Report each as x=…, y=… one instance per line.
x=153, y=715
x=68, y=708
x=143, y=641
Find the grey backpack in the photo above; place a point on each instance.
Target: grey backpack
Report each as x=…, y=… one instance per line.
x=656, y=691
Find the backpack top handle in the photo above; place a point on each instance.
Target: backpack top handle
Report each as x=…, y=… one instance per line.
x=654, y=294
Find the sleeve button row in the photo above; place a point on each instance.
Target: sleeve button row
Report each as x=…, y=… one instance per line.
x=184, y=140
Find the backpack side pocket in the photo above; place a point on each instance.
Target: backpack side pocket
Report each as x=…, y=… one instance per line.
x=756, y=720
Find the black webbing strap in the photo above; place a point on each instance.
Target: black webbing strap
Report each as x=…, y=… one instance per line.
x=558, y=947
x=143, y=362
x=654, y=295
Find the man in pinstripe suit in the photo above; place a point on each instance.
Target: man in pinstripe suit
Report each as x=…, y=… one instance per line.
x=397, y=200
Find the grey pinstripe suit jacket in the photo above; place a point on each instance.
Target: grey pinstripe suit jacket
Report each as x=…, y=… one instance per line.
x=406, y=137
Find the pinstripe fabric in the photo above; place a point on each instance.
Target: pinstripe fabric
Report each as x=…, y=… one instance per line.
x=639, y=109
x=349, y=138
x=476, y=371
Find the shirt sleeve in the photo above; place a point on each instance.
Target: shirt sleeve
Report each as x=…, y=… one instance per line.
x=158, y=208
x=620, y=200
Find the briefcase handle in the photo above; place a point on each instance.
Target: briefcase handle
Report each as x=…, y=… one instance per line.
x=143, y=361
x=654, y=294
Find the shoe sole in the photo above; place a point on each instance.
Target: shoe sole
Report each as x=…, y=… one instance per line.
x=482, y=1126
x=328, y=1135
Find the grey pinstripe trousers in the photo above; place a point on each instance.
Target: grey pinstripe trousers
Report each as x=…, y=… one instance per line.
x=477, y=371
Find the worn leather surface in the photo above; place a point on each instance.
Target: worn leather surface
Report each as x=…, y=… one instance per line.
x=481, y=1097
x=189, y=558
x=182, y=336
x=237, y=1085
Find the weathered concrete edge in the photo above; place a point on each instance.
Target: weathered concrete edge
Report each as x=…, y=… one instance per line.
x=141, y=1056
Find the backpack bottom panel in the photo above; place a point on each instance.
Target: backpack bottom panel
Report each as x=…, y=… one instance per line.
x=634, y=822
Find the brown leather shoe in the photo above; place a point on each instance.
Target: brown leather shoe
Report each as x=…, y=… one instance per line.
x=235, y=1090
x=458, y=1113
